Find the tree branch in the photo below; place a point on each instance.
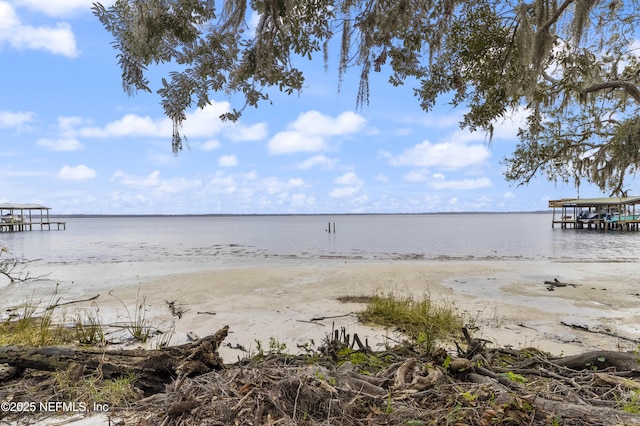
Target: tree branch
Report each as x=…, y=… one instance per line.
x=557, y=15
x=627, y=86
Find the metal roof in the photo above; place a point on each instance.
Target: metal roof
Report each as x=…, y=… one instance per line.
x=16, y=206
x=586, y=202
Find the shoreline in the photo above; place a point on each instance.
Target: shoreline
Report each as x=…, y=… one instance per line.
x=506, y=300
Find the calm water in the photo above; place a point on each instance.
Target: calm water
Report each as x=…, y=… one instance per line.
x=229, y=240
x=97, y=255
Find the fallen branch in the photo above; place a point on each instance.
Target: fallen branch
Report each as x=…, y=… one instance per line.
x=55, y=305
x=175, y=310
x=153, y=368
x=557, y=283
x=606, y=333
x=332, y=316
x=600, y=360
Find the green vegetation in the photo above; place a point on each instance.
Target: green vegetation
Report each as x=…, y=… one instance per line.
x=566, y=69
x=94, y=389
x=34, y=328
x=275, y=348
x=137, y=325
x=88, y=327
x=426, y=323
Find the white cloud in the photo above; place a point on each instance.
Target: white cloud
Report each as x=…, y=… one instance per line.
x=10, y=119
x=416, y=176
x=68, y=125
x=509, y=126
x=178, y=185
x=228, y=161
x=80, y=172
x=58, y=40
x=205, y=123
x=347, y=191
x=290, y=142
x=508, y=195
x=447, y=155
x=318, y=161
x=222, y=184
x=351, y=185
x=315, y=123
x=210, y=145
x=153, y=179
x=130, y=125
x=274, y=185
x=311, y=131
x=382, y=178
x=60, y=7
x=349, y=178
x=254, y=132
x=503, y=129
x=462, y=184
x=201, y=123
x=303, y=200
x=61, y=144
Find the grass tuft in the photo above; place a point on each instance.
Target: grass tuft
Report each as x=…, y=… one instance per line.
x=94, y=389
x=137, y=325
x=33, y=328
x=422, y=320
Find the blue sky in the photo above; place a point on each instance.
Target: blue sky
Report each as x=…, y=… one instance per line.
x=74, y=141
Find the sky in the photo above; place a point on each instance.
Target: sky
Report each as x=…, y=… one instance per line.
x=74, y=141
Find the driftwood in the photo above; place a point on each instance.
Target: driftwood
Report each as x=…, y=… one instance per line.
x=55, y=305
x=606, y=333
x=552, y=285
x=176, y=310
x=351, y=385
x=416, y=389
x=600, y=360
x=153, y=368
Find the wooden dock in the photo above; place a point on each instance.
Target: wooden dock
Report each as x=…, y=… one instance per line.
x=597, y=213
x=27, y=217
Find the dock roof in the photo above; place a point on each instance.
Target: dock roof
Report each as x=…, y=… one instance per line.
x=591, y=202
x=17, y=206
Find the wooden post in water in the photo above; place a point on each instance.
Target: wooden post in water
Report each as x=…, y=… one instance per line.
x=334, y=227
x=329, y=227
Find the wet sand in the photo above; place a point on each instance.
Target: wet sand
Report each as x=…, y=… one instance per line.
x=506, y=300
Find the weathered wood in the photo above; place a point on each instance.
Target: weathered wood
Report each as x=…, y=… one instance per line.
x=599, y=360
x=571, y=413
x=153, y=368
x=55, y=305
x=552, y=285
x=606, y=333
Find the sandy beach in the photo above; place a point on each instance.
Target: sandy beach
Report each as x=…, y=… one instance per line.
x=507, y=301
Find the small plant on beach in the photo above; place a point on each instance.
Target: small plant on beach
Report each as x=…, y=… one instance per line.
x=88, y=327
x=34, y=328
x=275, y=347
x=93, y=388
x=423, y=321
x=137, y=325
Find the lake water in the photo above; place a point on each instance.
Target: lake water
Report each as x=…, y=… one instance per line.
x=119, y=248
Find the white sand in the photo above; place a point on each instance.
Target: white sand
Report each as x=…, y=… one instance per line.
x=507, y=300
